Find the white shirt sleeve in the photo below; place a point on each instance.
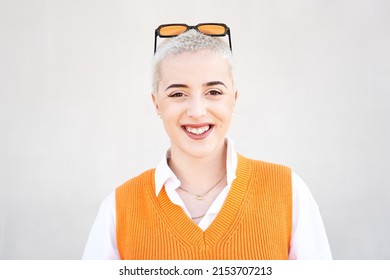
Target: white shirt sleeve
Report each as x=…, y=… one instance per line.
x=101, y=244
x=308, y=238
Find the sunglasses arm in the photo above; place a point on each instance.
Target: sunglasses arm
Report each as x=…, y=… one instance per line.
x=230, y=41
x=155, y=40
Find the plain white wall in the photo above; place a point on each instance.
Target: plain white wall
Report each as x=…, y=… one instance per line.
x=76, y=118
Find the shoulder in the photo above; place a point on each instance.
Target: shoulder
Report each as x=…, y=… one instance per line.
x=135, y=192
x=269, y=177
x=138, y=181
x=260, y=166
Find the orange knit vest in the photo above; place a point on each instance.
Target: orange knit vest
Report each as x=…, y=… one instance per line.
x=254, y=223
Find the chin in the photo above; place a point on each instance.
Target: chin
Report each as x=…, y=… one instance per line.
x=202, y=149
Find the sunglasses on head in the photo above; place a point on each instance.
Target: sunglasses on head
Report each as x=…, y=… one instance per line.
x=175, y=29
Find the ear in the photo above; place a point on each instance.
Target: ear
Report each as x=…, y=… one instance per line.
x=154, y=100
x=235, y=96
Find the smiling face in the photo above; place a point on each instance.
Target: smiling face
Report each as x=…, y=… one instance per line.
x=195, y=98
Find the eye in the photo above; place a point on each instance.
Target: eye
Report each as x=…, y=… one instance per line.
x=176, y=94
x=214, y=92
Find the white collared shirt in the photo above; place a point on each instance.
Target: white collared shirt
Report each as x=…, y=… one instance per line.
x=308, y=239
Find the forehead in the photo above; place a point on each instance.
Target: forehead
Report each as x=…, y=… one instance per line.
x=190, y=66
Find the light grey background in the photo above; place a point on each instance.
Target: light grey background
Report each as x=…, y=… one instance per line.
x=76, y=117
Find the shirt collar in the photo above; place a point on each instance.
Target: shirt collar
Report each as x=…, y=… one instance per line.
x=164, y=173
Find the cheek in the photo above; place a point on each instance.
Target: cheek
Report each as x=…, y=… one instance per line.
x=171, y=115
x=224, y=114
x=226, y=108
x=170, y=110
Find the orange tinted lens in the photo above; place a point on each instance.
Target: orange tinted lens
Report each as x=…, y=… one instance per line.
x=212, y=29
x=172, y=30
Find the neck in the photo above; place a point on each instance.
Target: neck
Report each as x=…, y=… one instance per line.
x=199, y=174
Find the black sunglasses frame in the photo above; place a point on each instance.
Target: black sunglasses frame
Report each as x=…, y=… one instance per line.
x=196, y=27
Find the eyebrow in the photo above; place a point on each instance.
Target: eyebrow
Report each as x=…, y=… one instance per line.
x=176, y=86
x=214, y=83
x=208, y=84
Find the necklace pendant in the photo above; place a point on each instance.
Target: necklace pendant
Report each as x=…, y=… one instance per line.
x=199, y=197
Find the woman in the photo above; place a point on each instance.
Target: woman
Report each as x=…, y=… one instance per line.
x=205, y=201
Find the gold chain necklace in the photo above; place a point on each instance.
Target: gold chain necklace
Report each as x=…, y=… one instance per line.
x=198, y=217
x=201, y=196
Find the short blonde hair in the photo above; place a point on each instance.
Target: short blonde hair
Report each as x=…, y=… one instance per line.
x=190, y=41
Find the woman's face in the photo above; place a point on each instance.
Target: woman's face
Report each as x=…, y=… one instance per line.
x=195, y=99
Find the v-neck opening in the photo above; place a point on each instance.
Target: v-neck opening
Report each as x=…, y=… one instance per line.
x=189, y=232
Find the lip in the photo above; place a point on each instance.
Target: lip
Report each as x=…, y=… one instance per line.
x=198, y=137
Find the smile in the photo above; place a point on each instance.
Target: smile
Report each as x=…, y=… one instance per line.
x=199, y=130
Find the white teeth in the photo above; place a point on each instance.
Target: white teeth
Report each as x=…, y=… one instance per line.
x=198, y=131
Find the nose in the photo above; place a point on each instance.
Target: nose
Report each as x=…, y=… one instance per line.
x=197, y=108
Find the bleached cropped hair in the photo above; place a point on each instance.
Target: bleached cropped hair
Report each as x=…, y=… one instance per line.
x=190, y=41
